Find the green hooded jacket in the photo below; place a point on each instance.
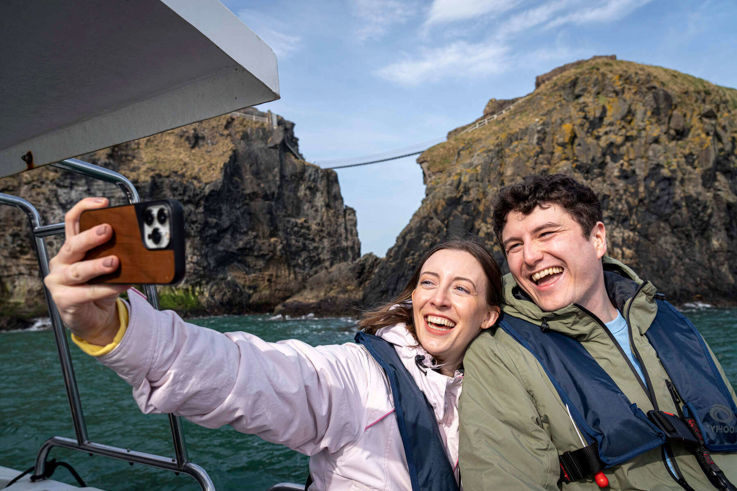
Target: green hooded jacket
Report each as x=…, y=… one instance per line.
x=513, y=423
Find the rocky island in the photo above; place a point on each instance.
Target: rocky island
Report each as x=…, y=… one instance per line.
x=259, y=219
x=267, y=231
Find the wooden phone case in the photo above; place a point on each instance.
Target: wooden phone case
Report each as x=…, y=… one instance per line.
x=138, y=264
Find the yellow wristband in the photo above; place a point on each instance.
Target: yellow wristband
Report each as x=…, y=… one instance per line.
x=97, y=350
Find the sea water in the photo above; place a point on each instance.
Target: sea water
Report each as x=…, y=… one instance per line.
x=34, y=407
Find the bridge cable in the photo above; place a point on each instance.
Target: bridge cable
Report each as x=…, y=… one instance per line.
x=395, y=157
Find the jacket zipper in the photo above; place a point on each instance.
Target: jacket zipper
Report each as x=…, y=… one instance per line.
x=667, y=451
x=648, y=382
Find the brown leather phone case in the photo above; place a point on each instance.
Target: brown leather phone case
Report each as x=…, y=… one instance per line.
x=141, y=261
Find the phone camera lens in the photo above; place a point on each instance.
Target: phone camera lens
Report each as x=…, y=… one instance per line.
x=155, y=236
x=161, y=216
x=148, y=217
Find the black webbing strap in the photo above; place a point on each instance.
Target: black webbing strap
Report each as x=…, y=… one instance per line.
x=703, y=457
x=580, y=464
x=686, y=431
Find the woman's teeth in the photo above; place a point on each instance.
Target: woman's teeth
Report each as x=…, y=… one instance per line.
x=440, y=321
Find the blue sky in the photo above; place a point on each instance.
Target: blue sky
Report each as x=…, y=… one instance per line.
x=369, y=77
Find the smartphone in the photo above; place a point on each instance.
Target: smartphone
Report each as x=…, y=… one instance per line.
x=148, y=238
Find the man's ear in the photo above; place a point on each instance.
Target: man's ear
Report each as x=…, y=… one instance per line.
x=598, y=238
x=491, y=316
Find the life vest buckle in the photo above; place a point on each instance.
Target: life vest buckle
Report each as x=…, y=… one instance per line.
x=580, y=464
x=675, y=428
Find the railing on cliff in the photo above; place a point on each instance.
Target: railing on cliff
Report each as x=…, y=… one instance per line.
x=492, y=117
x=268, y=117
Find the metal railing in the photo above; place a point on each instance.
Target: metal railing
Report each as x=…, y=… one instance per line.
x=492, y=117
x=180, y=463
x=268, y=118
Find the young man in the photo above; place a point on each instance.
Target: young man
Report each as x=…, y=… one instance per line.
x=558, y=395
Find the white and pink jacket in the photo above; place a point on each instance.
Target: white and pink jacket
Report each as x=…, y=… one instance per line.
x=332, y=403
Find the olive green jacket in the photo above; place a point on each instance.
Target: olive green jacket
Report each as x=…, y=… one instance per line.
x=513, y=423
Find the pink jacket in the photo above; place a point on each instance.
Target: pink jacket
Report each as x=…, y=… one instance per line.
x=332, y=403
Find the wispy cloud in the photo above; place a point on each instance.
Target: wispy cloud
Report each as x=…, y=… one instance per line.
x=458, y=59
x=609, y=11
x=378, y=16
x=271, y=31
x=502, y=47
x=444, y=11
x=531, y=18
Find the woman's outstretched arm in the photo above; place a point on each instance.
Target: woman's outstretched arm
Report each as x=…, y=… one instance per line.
x=308, y=398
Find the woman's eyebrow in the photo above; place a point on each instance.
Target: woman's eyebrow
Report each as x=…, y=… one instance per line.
x=463, y=278
x=455, y=278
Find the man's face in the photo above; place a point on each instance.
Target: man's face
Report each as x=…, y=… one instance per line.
x=553, y=260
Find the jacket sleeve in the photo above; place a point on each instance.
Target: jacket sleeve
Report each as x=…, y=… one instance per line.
x=503, y=444
x=308, y=398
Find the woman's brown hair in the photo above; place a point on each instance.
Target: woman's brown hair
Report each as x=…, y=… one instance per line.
x=400, y=309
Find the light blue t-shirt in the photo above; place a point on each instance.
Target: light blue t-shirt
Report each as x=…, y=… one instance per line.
x=618, y=327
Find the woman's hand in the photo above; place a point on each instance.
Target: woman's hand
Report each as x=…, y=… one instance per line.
x=89, y=310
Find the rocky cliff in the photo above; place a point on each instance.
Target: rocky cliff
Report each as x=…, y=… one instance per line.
x=268, y=231
x=259, y=219
x=658, y=146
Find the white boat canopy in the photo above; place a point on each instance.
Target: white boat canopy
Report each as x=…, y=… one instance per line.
x=78, y=76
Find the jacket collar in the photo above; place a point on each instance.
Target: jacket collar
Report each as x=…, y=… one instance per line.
x=627, y=292
x=441, y=391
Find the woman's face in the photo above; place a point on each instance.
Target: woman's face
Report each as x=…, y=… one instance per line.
x=449, y=306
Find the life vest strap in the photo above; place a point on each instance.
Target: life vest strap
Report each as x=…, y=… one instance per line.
x=686, y=431
x=703, y=457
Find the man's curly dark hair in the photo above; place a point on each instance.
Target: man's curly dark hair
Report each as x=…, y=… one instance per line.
x=535, y=190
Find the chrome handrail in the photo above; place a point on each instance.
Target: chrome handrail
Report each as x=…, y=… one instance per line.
x=82, y=443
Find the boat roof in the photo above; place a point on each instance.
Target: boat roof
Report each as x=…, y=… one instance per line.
x=83, y=75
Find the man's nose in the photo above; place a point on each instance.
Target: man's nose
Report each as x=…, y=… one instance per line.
x=532, y=253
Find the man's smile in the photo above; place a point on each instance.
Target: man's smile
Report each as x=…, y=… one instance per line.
x=546, y=274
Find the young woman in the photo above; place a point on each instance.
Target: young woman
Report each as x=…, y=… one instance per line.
x=358, y=410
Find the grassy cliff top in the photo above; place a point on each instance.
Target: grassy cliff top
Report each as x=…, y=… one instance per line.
x=196, y=152
x=584, y=89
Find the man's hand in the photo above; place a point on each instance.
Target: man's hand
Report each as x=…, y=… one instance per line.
x=88, y=310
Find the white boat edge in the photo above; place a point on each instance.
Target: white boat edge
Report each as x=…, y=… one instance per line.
x=24, y=483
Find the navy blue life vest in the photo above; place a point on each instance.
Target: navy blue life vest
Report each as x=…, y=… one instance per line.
x=605, y=415
x=429, y=468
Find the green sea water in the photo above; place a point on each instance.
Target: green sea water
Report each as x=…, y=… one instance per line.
x=33, y=407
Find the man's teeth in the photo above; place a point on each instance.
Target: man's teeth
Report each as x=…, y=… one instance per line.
x=440, y=321
x=545, y=272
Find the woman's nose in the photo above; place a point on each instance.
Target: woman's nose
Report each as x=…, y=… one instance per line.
x=440, y=297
